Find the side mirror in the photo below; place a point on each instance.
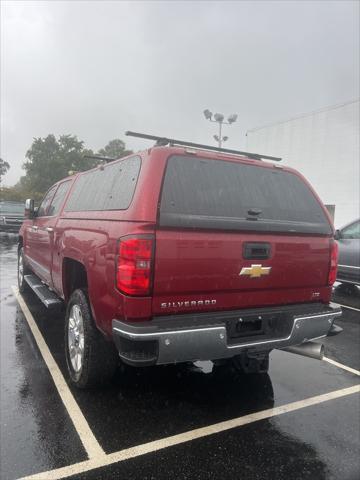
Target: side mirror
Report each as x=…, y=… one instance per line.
x=29, y=208
x=337, y=234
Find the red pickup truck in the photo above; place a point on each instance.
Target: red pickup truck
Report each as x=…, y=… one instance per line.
x=178, y=254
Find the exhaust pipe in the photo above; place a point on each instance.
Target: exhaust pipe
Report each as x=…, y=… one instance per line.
x=307, y=349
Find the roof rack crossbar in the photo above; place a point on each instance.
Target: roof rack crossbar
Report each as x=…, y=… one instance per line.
x=163, y=141
x=100, y=157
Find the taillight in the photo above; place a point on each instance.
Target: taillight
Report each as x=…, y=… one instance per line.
x=334, y=254
x=134, y=263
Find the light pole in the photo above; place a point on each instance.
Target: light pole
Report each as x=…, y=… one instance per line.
x=219, y=118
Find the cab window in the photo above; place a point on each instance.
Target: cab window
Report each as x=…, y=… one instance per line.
x=42, y=212
x=58, y=199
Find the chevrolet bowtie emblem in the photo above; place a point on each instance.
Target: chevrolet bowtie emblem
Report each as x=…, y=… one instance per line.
x=255, y=271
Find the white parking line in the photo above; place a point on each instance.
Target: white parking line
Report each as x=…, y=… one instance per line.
x=351, y=308
x=150, y=447
x=98, y=458
x=91, y=445
x=340, y=365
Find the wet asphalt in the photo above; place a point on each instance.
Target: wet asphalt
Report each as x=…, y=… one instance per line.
x=141, y=405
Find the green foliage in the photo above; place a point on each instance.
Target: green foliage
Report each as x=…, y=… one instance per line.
x=4, y=167
x=115, y=149
x=50, y=160
x=19, y=193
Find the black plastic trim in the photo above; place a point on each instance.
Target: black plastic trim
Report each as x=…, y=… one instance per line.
x=179, y=220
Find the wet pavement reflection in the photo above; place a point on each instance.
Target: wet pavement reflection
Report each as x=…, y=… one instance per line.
x=35, y=431
x=141, y=405
x=299, y=446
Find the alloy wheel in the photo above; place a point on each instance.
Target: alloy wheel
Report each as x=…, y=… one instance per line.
x=76, y=338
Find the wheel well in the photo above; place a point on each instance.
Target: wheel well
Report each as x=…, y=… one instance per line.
x=74, y=276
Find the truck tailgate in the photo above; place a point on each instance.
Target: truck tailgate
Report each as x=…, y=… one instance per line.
x=205, y=266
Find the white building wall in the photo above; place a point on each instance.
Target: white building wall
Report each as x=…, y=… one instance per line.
x=324, y=147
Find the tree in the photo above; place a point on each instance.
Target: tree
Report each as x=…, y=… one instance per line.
x=50, y=159
x=19, y=193
x=115, y=149
x=4, y=167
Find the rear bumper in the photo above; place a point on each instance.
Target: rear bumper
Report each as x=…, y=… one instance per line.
x=182, y=338
x=348, y=274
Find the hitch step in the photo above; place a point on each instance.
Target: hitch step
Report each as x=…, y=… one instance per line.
x=48, y=298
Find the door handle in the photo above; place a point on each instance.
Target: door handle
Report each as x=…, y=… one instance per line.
x=256, y=251
x=49, y=229
x=34, y=227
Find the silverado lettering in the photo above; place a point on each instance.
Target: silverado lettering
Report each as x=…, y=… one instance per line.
x=192, y=303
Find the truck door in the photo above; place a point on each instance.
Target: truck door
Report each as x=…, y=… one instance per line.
x=54, y=234
x=35, y=238
x=42, y=233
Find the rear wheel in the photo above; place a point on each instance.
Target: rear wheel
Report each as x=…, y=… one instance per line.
x=347, y=288
x=246, y=363
x=91, y=360
x=22, y=271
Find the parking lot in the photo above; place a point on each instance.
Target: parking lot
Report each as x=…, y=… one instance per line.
x=195, y=421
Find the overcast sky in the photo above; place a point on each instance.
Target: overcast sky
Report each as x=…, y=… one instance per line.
x=98, y=68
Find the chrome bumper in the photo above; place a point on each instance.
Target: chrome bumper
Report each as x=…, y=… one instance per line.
x=166, y=345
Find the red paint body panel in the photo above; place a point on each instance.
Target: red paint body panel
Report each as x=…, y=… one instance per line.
x=199, y=265
x=188, y=265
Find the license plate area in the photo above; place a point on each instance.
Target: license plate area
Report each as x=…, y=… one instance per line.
x=268, y=325
x=247, y=326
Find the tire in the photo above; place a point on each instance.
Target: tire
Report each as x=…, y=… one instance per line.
x=22, y=270
x=247, y=364
x=346, y=288
x=91, y=359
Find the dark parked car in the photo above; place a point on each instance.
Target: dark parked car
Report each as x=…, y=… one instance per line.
x=11, y=216
x=349, y=253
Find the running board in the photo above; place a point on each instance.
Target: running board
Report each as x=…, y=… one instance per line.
x=48, y=298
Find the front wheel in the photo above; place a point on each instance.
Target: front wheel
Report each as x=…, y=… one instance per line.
x=91, y=360
x=22, y=271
